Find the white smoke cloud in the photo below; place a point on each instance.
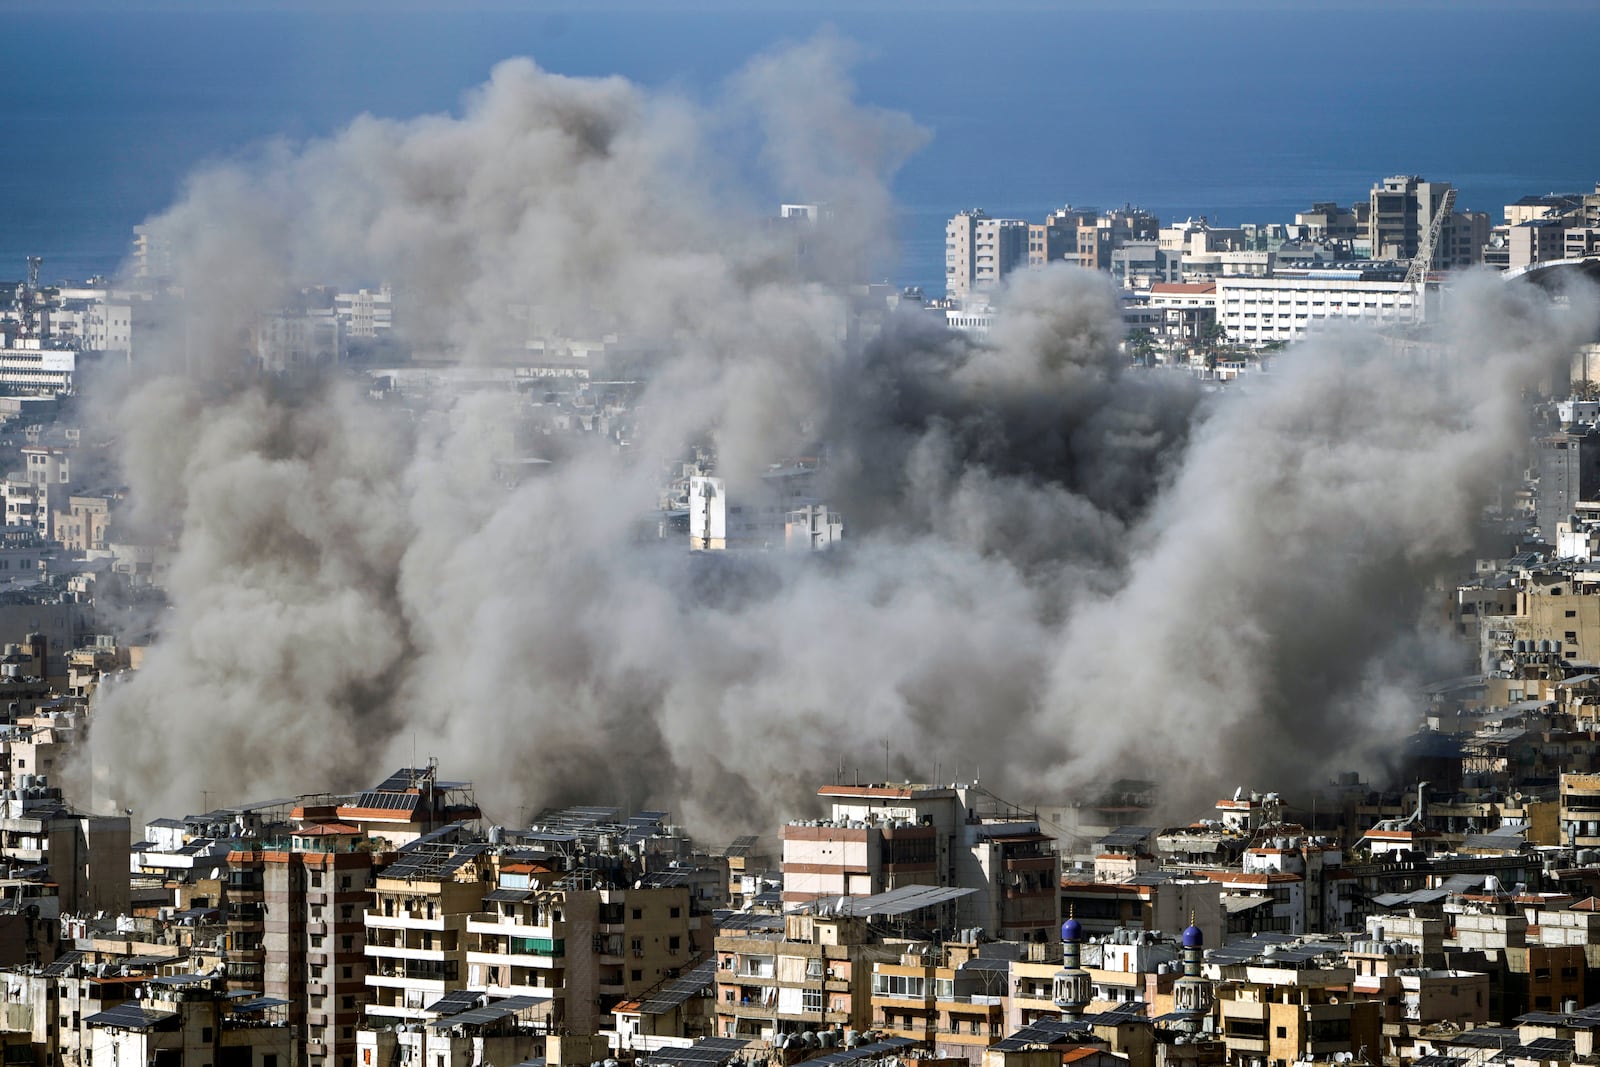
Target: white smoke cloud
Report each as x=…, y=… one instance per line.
x=1058, y=570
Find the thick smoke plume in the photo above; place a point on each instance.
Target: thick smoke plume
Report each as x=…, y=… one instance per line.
x=1058, y=570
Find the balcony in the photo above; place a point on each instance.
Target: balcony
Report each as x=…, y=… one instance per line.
x=402, y=920
x=487, y=922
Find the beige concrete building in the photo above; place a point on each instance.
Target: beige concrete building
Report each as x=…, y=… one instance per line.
x=296, y=910
x=817, y=975
x=885, y=837
x=416, y=939
x=980, y=251
x=189, y=1021
x=87, y=855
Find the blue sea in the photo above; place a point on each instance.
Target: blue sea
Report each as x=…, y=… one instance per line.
x=1242, y=114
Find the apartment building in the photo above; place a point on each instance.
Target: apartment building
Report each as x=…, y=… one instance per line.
x=415, y=929
x=308, y=917
x=948, y=997
x=86, y=855
x=1290, y=1006
x=980, y=251
x=1276, y=310
x=816, y=975
x=884, y=837
x=190, y=1021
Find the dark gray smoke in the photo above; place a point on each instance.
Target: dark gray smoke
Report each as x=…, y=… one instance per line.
x=1058, y=570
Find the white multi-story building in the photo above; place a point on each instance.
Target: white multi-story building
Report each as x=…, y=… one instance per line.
x=30, y=369
x=782, y=513
x=1258, y=311
x=366, y=314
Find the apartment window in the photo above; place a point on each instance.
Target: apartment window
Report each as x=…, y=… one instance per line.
x=1283, y=1031
x=205, y=1033
x=637, y=945
x=316, y=940
x=316, y=879
x=811, y=1000
x=347, y=942
x=346, y=973
x=635, y=975
x=638, y=913
x=674, y=943
x=676, y=912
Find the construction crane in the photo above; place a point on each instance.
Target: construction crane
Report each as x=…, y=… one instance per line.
x=1417, y=273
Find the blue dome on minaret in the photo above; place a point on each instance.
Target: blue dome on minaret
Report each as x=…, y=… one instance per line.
x=1193, y=938
x=1071, y=930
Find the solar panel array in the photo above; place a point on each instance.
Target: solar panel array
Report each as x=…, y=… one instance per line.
x=757, y=922
x=709, y=1052
x=1246, y=949
x=446, y=833
x=1042, y=1032
x=489, y=1013
x=63, y=964
x=130, y=1016
x=179, y=980
x=887, y=1047
x=1437, y=1060
x=1127, y=836
x=900, y=901
x=382, y=800
x=700, y=979
x=433, y=860
x=666, y=879
x=741, y=846
x=509, y=896
x=401, y=780
x=454, y=1002
x=1545, y=1048
x=259, y=1003
x=1486, y=1037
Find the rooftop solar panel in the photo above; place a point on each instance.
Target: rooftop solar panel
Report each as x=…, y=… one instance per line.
x=259, y=1004
x=130, y=1016
x=63, y=964
x=862, y=1052
x=494, y=1011
x=454, y=1002
x=401, y=780
x=896, y=902
x=696, y=982
x=1043, y=1032
x=741, y=845
x=1560, y=1046
x=1486, y=1037
x=509, y=896
x=710, y=1051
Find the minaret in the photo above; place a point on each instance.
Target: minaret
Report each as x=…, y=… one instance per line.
x=1192, y=996
x=1073, y=990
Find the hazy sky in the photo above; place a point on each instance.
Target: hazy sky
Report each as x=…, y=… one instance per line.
x=1242, y=111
